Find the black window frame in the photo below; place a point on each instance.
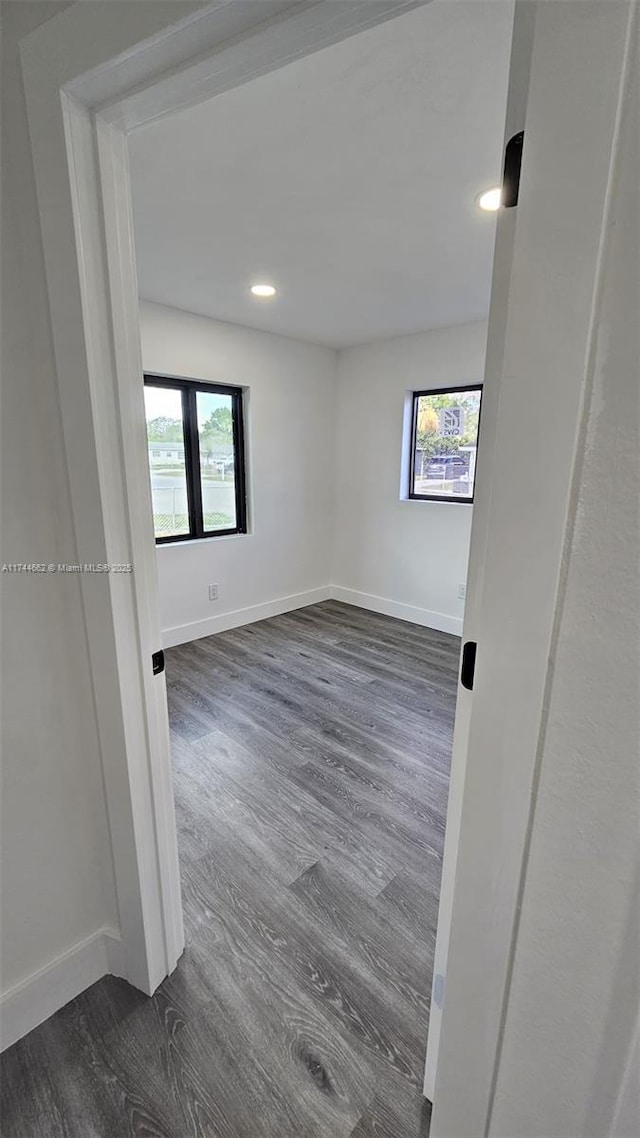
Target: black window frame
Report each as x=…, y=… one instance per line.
x=189, y=389
x=451, y=389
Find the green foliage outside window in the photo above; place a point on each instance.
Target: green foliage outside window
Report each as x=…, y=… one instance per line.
x=428, y=439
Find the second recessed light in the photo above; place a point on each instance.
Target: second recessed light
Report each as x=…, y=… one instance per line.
x=263, y=290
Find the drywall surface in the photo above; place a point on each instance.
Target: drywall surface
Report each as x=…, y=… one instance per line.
x=285, y=560
x=370, y=240
x=57, y=881
x=570, y=1036
x=407, y=558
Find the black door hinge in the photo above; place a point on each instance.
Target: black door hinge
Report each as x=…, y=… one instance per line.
x=157, y=661
x=511, y=175
x=468, y=668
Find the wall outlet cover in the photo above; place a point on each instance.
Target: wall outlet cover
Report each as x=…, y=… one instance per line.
x=462, y=591
x=213, y=592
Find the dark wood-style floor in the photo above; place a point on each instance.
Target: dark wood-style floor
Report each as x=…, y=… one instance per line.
x=311, y=756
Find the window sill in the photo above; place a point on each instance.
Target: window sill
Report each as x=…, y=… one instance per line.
x=437, y=501
x=201, y=540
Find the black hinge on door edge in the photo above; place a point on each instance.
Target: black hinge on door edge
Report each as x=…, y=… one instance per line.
x=157, y=661
x=468, y=668
x=511, y=175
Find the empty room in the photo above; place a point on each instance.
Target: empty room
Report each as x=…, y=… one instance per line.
x=306, y=830
x=312, y=510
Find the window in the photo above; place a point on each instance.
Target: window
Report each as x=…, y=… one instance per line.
x=444, y=442
x=196, y=458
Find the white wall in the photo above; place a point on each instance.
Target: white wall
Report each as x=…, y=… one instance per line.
x=56, y=860
x=570, y=1035
x=323, y=518
x=403, y=557
x=286, y=558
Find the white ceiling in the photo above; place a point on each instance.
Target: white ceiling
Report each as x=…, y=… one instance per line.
x=347, y=178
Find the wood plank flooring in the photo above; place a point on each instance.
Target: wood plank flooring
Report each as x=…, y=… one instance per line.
x=311, y=756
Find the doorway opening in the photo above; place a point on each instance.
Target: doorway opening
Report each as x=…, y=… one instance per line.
x=312, y=649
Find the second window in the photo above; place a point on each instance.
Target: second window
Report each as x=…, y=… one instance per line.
x=444, y=443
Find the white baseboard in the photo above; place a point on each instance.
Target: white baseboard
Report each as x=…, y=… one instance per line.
x=438, y=620
x=182, y=634
x=34, y=999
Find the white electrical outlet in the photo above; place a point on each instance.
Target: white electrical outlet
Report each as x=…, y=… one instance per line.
x=213, y=592
x=462, y=591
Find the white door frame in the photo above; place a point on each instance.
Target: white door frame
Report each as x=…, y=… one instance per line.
x=546, y=358
x=89, y=80
x=521, y=48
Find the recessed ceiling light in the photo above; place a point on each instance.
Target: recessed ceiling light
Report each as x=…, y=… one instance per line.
x=490, y=199
x=263, y=290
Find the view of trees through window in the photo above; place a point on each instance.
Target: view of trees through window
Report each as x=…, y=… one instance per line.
x=194, y=494
x=165, y=437
x=444, y=443
x=215, y=434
